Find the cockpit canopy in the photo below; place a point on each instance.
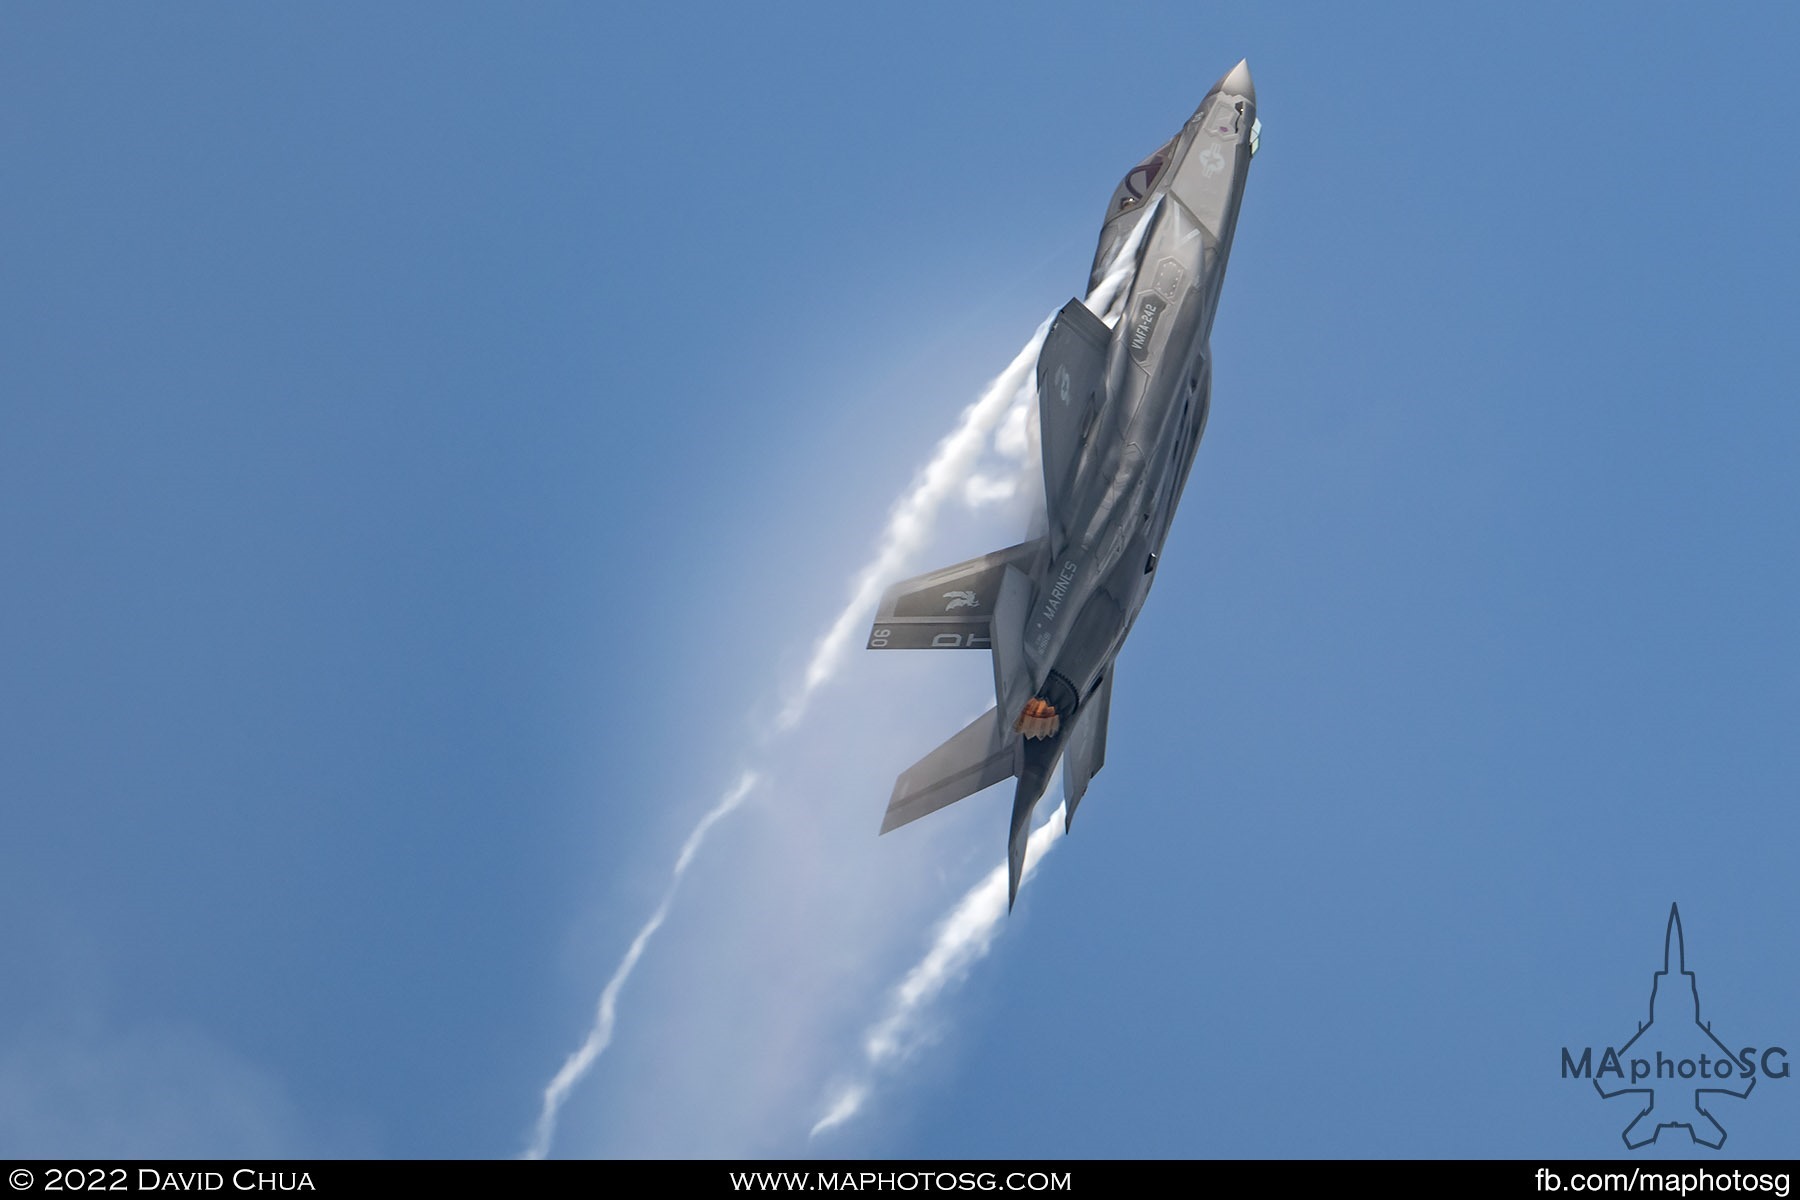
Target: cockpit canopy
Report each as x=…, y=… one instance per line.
x=1140, y=179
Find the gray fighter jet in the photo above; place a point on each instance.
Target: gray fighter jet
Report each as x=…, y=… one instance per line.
x=1121, y=408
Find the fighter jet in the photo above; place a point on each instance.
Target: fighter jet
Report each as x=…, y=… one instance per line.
x=1121, y=408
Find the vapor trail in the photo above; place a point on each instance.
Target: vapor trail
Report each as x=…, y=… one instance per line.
x=965, y=936
x=913, y=519
x=963, y=939
x=910, y=525
x=600, y=1035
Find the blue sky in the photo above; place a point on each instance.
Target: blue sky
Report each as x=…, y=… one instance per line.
x=434, y=439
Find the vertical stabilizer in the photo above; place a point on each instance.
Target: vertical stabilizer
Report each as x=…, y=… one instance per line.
x=1036, y=759
x=1087, y=748
x=1071, y=393
x=1012, y=679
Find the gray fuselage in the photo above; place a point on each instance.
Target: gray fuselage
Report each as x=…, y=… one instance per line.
x=1107, y=528
x=1124, y=380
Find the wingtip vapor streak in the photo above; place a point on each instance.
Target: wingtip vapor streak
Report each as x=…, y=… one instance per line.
x=1121, y=409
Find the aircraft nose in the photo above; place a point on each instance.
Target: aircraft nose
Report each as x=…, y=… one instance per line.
x=1238, y=82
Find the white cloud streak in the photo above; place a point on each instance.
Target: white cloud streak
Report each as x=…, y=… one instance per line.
x=601, y=1034
x=999, y=421
x=913, y=519
x=963, y=939
x=910, y=526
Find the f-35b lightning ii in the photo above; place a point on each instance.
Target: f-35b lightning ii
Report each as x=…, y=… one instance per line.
x=1121, y=409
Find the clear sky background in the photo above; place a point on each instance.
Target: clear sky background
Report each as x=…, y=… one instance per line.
x=433, y=439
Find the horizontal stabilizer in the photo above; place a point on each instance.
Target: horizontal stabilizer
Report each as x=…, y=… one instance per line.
x=952, y=608
x=980, y=756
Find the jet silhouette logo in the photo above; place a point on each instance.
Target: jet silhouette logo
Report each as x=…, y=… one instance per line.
x=1674, y=1063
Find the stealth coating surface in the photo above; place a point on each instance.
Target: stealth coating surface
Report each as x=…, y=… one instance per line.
x=1121, y=410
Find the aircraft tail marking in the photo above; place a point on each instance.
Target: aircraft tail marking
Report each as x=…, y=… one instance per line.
x=952, y=608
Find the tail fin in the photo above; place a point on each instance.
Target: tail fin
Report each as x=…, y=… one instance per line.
x=1086, y=752
x=1036, y=760
x=980, y=756
x=979, y=603
x=983, y=754
x=991, y=594
x=1071, y=394
x=1012, y=679
x=952, y=608
x=1017, y=839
